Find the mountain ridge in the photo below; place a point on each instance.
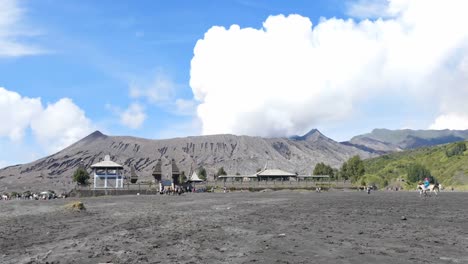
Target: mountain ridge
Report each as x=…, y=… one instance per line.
x=237, y=154
x=383, y=140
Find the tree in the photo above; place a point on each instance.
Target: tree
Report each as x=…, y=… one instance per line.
x=323, y=169
x=201, y=173
x=353, y=169
x=456, y=150
x=81, y=176
x=344, y=171
x=336, y=173
x=417, y=173
x=182, y=177
x=220, y=172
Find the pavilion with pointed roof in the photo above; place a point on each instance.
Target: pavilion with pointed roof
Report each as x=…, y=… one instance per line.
x=194, y=178
x=107, y=174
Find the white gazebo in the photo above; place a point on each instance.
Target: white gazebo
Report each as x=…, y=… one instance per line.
x=107, y=174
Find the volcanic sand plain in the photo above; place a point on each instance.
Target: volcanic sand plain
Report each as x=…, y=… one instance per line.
x=240, y=227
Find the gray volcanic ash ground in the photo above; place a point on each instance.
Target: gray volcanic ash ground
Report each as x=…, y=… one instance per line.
x=270, y=227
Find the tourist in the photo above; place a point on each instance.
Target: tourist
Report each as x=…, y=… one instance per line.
x=426, y=183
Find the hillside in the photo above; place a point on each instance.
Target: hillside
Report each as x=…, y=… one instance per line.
x=237, y=154
x=450, y=171
x=385, y=140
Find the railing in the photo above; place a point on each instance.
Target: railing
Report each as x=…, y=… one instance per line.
x=126, y=186
x=151, y=186
x=269, y=184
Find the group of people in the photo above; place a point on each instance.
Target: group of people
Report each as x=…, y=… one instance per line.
x=32, y=196
x=169, y=190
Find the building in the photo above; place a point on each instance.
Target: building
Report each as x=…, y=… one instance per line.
x=275, y=175
x=107, y=174
x=194, y=178
x=175, y=174
x=263, y=175
x=157, y=174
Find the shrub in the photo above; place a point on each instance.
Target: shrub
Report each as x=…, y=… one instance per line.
x=201, y=173
x=81, y=176
x=456, y=150
x=417, y=172
x=75, y=206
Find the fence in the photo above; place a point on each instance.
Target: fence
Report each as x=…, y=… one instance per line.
x=153, y=188
x=273, y=184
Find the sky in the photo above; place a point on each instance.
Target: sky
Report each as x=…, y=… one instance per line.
x=163, y=69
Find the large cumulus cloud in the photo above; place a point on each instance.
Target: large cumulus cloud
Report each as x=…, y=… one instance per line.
x=54, y=126
x=290, y=75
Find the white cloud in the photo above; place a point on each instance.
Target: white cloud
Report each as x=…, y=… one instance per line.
x=133, y=117
x=452, y=121
x=157, y=90
x=185, y=107
x=368, y=9
x=16, y=113
x=288, y=76
x=11, y=31
x=60, y=125
x=55, y=126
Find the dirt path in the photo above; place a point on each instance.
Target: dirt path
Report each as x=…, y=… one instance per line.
x=272, y=227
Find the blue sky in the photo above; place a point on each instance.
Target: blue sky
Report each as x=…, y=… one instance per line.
x=130, y=68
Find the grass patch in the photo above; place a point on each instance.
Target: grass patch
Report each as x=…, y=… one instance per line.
x=75, y=206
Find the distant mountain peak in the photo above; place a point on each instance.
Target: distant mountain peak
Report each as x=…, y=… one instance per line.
x=387, y=140
x=92, y=137
x=96, y=134
x=313, y=134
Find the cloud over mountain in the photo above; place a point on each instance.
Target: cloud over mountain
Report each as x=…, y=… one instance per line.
x=289, y=75
x=133, y=117
x=16, y=113
x=60, y=124
x=55, y=126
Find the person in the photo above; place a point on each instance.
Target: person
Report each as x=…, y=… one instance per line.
x=426, y=183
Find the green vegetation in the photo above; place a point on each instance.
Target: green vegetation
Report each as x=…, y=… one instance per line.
x=456, y=150
x=201, y=173
x=399, y=137
x=417, y=173
x=182, y=177
x=220, y=172
x=323, y=169
x=353, y=169
x=81, y=176
x=405, y=169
